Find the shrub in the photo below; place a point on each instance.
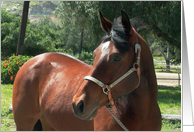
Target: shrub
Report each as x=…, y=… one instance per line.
x=10, y=67
x=87, y=57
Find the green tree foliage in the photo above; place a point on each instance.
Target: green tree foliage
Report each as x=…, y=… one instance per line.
x=40, y=37
x=77, y=17
x=9, y=32
x=10, y=26
x=158, y=22
x=43, y=36
x=162, y=19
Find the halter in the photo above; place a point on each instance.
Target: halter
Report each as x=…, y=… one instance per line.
x=106, y=88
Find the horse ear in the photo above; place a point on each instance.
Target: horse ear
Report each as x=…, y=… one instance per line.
x=125, y=22
x=105, y=24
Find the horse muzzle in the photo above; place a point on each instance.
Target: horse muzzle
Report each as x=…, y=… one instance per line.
x=79, y=109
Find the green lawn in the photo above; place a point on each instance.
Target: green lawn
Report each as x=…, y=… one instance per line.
x=158, y=58
x=7, y=122
x=169, y=126
x=169, y=100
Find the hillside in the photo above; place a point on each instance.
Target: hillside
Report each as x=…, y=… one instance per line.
x=37, y=9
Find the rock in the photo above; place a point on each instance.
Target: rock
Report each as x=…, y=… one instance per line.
x=10, y=109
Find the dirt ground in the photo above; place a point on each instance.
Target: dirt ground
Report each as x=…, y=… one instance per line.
x=167, y=77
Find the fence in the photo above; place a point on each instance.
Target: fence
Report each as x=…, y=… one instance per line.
x=173, y=77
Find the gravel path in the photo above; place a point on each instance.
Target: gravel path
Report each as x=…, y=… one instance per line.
x=167, y=81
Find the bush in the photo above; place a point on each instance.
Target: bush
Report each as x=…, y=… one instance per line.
x=10, y=67
x=87, y=57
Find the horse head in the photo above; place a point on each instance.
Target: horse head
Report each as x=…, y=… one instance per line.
x=113, y=58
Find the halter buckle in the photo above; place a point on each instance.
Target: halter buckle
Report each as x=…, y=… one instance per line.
x=105, y=89
x=135, y=66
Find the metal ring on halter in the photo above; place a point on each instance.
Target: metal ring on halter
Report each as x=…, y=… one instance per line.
x=135, y=66
x=105, y=89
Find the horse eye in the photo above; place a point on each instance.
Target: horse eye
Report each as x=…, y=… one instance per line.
x=116, y=58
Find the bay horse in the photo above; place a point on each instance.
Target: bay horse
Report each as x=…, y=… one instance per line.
x=49, y=92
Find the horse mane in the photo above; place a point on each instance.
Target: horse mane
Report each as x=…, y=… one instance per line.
x=118, y=35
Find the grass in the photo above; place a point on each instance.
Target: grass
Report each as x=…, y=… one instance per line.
x=169, y=126
x=161, y=67
x=158, y=58
x=33, y=3
x=169, y=100
x=7, y=122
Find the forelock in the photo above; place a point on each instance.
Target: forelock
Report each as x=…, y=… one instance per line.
x=119, y=35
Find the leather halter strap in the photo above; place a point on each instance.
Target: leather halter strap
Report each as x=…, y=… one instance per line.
x=101, y=84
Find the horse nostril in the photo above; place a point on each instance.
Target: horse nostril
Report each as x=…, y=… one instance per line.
x=80, y=107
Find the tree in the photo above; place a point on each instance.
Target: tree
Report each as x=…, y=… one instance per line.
x=37, y=40
x=164, y=19
x=77, y=17
x=166, y=56
x=9, y=33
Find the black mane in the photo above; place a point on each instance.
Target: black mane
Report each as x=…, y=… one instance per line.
x=118, y=35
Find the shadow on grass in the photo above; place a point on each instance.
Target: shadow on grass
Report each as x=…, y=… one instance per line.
x=169, y=95
x=168, y=125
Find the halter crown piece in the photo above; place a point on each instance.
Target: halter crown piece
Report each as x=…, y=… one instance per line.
x=107, y=88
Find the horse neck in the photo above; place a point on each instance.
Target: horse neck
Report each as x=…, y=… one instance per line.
x=147, y=66
x=147, y=62
x=146, y=93
x=148, y=75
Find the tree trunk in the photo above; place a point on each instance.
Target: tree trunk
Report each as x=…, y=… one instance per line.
x=168, y=57
x=23, y=28
x=80, y=50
